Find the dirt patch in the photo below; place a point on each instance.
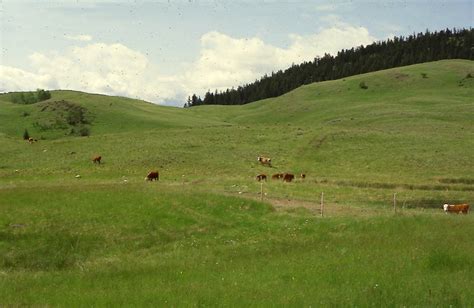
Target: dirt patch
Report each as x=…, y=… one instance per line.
x=401, y=76
x=330, y=209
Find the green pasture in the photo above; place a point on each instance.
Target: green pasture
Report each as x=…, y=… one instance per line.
x=77, y=233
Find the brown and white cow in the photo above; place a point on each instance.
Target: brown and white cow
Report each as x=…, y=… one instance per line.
x=277, y=176
x=265, y=161
x=153, y=176
x=303, y=176
x=288, y=177
x=96, y=159
x=261, y=177
x=458, y=208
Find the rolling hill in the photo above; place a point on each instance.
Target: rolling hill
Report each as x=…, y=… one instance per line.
x=203, y=234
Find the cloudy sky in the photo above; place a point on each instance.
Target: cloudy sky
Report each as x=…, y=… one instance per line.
x=163, y=51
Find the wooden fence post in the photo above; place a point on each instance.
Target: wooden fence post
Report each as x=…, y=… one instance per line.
x=395, y=202
x=322, y=204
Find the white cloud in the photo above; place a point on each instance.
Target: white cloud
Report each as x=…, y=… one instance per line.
x=15, y=79
x=326, y=7
x=80, y=37
x=223, y=62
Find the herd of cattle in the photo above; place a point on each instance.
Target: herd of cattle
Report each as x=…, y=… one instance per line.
x=286, y=177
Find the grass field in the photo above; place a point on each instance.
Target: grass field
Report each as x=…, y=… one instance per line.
x=201, y=235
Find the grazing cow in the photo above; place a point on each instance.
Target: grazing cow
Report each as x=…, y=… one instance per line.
x=458, y=208
x=261, y=177
x=303, y=176
x=153, y=175
x=277, y=176
x=96, y=159
x=265, y=160
x=288, y=177
x=31, y=140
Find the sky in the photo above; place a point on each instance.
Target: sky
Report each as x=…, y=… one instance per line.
x=165, y=51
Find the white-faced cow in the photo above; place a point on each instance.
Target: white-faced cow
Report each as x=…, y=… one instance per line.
x=261, y=177
x=277, y=176
x=458, y=208
x=152, y=176
x=266, y=161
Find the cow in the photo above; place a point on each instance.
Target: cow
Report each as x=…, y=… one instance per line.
x=458, y=208
x=96, y=159
x=288, y=177
x=261, y=177
x=303, y=176
x=152, y=176
x=277, y=176
x=32, y=140
x=265, y=161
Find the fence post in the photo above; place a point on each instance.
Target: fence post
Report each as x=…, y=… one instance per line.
x=322, y=204
x=395, y=202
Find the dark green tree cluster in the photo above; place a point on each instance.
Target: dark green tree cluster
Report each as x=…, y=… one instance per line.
x=30, y=97
x=399, y=51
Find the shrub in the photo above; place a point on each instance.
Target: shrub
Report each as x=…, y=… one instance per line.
x=30, y=97
x=42, y=95
x=362, y=85
x=469, y=75
x=84, y=131
x=76, y=115
x=26, y=135
x=424, y=75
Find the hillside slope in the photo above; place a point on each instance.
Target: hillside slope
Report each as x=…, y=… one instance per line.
x=411, y=126
x=105, y=114
x=415, y=119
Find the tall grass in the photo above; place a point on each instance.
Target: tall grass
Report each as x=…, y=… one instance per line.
x=137, y=245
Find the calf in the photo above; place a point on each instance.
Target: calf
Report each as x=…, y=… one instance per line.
x=277, y=176
x=265, y=160
x=261, y=177
x=288, y=177
x=96, y=159
x=153, y=176
x=458, y=208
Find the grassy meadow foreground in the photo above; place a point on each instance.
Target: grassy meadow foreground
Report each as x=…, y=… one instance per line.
x=202, y=235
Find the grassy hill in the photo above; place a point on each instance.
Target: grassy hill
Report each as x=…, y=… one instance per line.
x=202, y=236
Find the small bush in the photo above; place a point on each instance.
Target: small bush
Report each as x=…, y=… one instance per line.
x=42, y=95
x=30, y=97
x=424, y=75
x=362, y=85
x=84, y=131
x=26, y=135
x=25, y=114
x=469, y=75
